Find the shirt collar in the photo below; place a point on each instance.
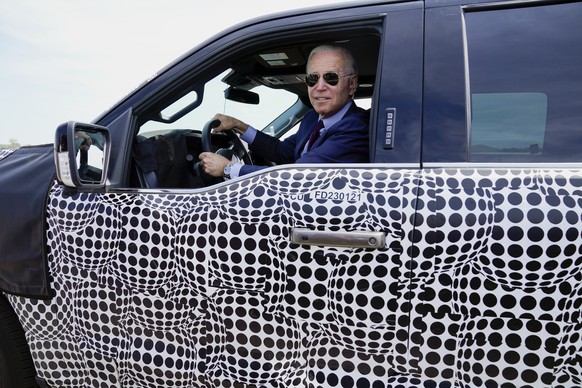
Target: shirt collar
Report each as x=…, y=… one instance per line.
x=330, y=121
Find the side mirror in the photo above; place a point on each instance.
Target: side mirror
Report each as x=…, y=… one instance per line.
x=82, y=155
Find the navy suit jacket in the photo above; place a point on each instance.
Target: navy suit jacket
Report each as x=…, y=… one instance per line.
x=346, y=141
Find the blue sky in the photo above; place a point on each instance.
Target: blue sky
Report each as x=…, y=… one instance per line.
x=64, y=60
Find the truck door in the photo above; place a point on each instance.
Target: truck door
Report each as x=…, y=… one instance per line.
x=292, y=276
x=500, y=253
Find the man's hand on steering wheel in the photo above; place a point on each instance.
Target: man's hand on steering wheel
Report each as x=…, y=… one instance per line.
x=228, y=122
x=213, y=164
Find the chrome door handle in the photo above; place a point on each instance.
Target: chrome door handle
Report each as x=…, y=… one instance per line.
x=355, y=239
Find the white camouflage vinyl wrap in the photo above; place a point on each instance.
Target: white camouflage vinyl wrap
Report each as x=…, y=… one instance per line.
x=479, y=284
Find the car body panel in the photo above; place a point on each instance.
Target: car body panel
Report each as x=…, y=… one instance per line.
x=213, y=275
x=502, y=279
x=209, y=278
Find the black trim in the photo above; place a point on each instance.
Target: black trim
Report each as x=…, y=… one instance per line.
x=26, y=177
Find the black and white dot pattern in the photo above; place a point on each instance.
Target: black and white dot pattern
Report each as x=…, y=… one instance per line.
x=479, y=284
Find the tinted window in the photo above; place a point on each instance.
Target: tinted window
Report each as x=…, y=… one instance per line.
x=525, y=84
x=507, y=125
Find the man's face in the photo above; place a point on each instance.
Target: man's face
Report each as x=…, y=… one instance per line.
x=325, y=98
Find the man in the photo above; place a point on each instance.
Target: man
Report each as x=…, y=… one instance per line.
x=332, y=81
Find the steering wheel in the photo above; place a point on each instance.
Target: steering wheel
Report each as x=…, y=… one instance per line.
x=236, y=148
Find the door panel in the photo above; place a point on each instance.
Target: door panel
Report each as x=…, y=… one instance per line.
x=499, y=293
x=208, y=287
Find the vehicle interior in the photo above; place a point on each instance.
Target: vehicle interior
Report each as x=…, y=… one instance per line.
x=264, y=88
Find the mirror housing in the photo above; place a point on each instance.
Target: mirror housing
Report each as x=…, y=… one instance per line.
x=82, y=155
x=242, y=96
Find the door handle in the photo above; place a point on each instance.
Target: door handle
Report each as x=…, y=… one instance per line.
x=354, y=239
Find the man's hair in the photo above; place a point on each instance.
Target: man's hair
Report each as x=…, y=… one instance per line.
x=349, y=60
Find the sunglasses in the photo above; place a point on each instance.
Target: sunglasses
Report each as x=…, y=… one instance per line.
x=329, y=78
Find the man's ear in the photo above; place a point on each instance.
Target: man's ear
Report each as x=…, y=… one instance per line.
x=353, y=85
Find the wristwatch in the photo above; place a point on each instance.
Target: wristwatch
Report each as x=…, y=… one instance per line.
x=226, y=173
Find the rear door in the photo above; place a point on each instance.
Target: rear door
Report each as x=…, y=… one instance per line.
x=497, y=288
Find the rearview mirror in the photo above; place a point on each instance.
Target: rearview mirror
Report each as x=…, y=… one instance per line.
x=82, y=155
x=243, y=96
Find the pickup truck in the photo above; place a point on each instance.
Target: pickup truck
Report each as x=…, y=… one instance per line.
x=452, y=258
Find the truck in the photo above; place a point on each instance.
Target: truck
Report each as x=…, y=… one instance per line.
x=452, y=258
